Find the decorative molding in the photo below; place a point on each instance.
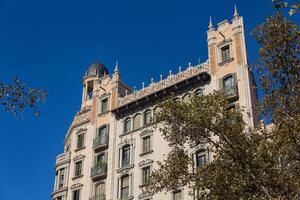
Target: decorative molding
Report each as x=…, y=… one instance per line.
x=76, y=186
x=170, y=80
x=79, y=157
x=145, y=195
x=145, y=162
x=146, y=133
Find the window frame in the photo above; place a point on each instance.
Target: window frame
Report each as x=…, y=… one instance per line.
x=76, y=169
x=102, y=103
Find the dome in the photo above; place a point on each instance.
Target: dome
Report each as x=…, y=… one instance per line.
x=96, y=69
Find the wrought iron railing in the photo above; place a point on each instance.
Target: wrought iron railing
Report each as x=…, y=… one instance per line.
x=99, y=169
x=100, y=141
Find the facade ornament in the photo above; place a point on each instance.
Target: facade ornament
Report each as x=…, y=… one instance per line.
x=143, y=85
x=210, y=26
x=190, y=64
x=236, y=14
x=170, y=73
x=179, y=69
x=116, y=67
x=152, y=80
x=161, y=77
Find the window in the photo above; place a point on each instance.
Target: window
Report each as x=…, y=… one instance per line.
x=78, y=168
x=80, y=141
x=125, y=186
x=104, y=105
x=76, y=195
x=61, y=178
x=177, y=195
x=59, y=198
x=146, y=144
x=156, y=111
x=225, y=53
x=100, y=191
x=228, y=85
x=100, y=159
x=127, y=125
x=200, y=158
x=147, y=117
x=90, y=88
x=136, y=122
x=146, y=174
x=125, y=155
x=102, y=134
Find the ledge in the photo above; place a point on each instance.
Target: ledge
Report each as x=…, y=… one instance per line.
x=77, y=177
x=145, y=153
x=226, y=61
x=81, y=148
x=125, y=168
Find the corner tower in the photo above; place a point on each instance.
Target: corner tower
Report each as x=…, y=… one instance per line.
x=229, y=64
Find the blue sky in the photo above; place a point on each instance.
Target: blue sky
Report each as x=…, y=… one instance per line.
x=49, y=44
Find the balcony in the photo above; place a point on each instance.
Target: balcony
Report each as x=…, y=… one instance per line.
x=62, y=158
x=232, y=93
x=99, y=171
x=98, y=197
x=100, y=143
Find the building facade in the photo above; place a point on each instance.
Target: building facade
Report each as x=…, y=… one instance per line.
x=111, y=148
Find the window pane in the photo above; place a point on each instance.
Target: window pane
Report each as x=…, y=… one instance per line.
x=146, y=144
x=104, y=105
x=228, y=84
x=127, y=125
x=200, y=158
x=146, y=174
x=225, y=53
x=78, y=167
x=80, y=140
x=137, y=122
x=100, y=189
x=147, y=117
x=125, y=186
x=126, y=156
x=76, y=194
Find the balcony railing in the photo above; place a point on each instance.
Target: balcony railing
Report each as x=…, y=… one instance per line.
x=98, y=197
x=100, y=143
x=62, y=158
x=99, y=171
x=232, y=92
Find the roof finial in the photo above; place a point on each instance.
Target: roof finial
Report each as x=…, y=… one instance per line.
x=210, y=26
x=236, y=14
x=116, y=66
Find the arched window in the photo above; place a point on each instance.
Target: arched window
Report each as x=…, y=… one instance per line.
x=155, y=112
x=147, y=117
x=127, y=125
x=137, y=122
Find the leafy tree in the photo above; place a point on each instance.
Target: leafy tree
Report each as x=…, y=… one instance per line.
x=17, y=96
x=247, y=163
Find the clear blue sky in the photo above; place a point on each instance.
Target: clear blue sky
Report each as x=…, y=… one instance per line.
x=49, y=44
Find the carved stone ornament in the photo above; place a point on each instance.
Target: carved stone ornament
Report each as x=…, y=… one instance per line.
x=79, y=157
x=144, y=195
x=172, y=79
x=76, y=186
x=145, y=162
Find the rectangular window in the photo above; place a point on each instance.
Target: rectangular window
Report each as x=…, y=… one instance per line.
x=146, y=174
x=200, y=158
x=125, y=186
x=177, y=195
x=127, y=125
x=59, y=198
x=61, y=178
x=104, y=105
x=225, y=53
x=146, y=144
x=100, y=191
x=125, y=155
x=80, y=140
x=76, y=195
x=147, y=117
x=78, y=168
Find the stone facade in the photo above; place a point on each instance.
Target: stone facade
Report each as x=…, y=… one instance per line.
x=111, y=147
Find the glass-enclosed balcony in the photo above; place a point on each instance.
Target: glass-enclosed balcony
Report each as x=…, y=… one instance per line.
x=99, y=171
x=98, y=197
x=100, y=143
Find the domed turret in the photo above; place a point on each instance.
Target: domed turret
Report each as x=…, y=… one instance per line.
x=96, y=69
